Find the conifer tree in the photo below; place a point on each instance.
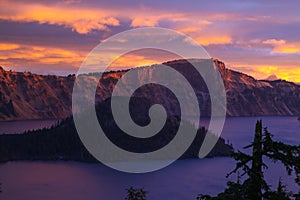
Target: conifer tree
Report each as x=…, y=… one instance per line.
x=255, y=187
x=136, y=194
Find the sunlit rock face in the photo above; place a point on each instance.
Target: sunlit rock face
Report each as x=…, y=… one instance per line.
x=24, y=95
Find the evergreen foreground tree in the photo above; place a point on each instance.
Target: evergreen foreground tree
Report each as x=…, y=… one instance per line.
x=136, y=194
x=255, y=187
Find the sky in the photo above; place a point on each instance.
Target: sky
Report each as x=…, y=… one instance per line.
x=259, y=38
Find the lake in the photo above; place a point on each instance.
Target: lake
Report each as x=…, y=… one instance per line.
x=182, y=180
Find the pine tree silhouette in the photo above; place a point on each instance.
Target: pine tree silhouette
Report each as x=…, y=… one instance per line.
x=255, y=187
x=136, y=194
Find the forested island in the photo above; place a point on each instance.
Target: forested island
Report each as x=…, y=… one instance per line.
x=61, y=141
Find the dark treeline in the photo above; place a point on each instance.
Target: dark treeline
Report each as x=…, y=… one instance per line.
x=61, y=141
x=58, y=142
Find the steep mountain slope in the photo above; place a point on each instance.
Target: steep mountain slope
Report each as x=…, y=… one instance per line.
x=247, y=96
x=24, y=95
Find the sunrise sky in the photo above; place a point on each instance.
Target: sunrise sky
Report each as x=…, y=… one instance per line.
x=257, y=37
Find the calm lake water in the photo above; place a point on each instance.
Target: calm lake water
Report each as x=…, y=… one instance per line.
x=182, y=180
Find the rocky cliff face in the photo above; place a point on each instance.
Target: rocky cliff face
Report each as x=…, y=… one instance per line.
x=247, y=96
x=24, y=95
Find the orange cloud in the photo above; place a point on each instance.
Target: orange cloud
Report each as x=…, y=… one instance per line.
x=288, y=48
x=289, y=73
x=281, y=46
x=204, y=27
x=214, y=40
x=143, y=57
x=283, y=72
x=203, y=31
x=8, y=46
x=194, y=26
x=142, y=21
x=86, y=18
x=39, y=54
x=131, y=60
x=81, y=20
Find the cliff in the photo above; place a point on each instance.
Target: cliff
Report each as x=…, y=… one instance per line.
x=24, y=95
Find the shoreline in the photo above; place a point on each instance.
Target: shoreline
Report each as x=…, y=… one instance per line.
x=204, y=117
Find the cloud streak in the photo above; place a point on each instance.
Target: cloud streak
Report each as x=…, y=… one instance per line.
x=81, y=20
